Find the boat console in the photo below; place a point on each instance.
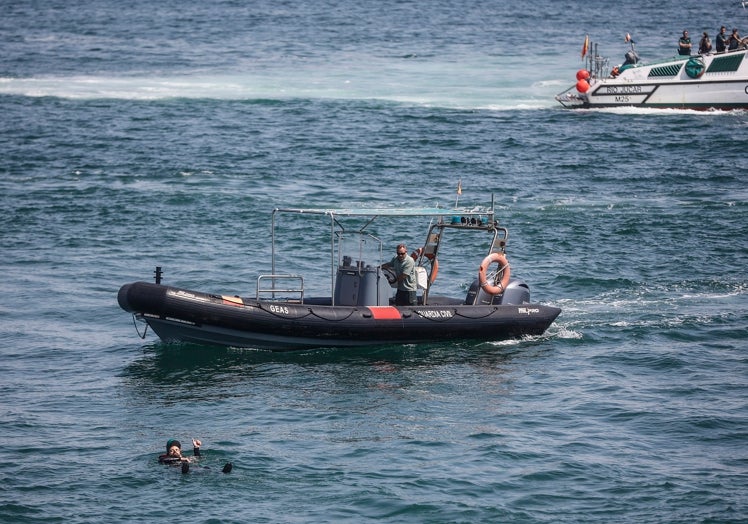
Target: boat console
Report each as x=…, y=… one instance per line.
x=361, y=284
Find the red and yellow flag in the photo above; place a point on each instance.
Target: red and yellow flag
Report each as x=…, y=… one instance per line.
x=585, y=45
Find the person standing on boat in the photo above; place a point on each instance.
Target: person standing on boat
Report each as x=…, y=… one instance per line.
x=684, y=44
x=405, y=273
x=705, y=45
x=734, y=40
x=722, y=39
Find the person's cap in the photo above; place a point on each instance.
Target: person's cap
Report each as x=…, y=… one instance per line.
x=173, y=442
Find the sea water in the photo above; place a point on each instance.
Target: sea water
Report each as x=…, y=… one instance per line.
x=152, y=134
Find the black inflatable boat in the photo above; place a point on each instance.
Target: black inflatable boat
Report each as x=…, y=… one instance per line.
x=360, y=309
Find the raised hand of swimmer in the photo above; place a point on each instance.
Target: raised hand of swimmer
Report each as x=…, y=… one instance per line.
x=196, y=443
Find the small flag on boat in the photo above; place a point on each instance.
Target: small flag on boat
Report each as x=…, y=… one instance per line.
x=459, y=187
x=627, y=38
x=586, y=45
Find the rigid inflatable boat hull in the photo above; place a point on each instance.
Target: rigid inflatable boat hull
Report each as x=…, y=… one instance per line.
x=183, y=315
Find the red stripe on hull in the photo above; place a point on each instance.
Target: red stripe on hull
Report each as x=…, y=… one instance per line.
x=384, y=313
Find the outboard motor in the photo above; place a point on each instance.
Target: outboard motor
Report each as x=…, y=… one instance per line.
x=517, y=292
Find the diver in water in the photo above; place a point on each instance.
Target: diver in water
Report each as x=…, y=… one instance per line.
x=173, y=455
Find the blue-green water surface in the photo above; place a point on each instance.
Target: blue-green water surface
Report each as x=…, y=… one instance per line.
x=135, y=135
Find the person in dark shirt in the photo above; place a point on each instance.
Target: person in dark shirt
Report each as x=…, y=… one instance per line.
x=722, y=39
x=705, y=45
x=734, y=40
x=684, y=44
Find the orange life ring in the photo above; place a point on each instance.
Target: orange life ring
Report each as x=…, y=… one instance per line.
x=503, y=267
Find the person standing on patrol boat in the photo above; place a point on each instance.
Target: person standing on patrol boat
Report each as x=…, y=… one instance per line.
x=734, y=41
x=684, y=44
x=705, y=45
x=722, y=39
x=405, y=273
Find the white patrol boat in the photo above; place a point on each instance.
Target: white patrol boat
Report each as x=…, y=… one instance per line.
x=703, y=82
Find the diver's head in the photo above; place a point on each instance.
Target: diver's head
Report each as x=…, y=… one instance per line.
x=173, y=444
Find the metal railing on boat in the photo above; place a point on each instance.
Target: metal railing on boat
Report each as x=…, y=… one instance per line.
x=274, y=290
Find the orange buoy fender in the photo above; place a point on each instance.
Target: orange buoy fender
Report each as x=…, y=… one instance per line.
x=434, y=270
x=491, y=289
